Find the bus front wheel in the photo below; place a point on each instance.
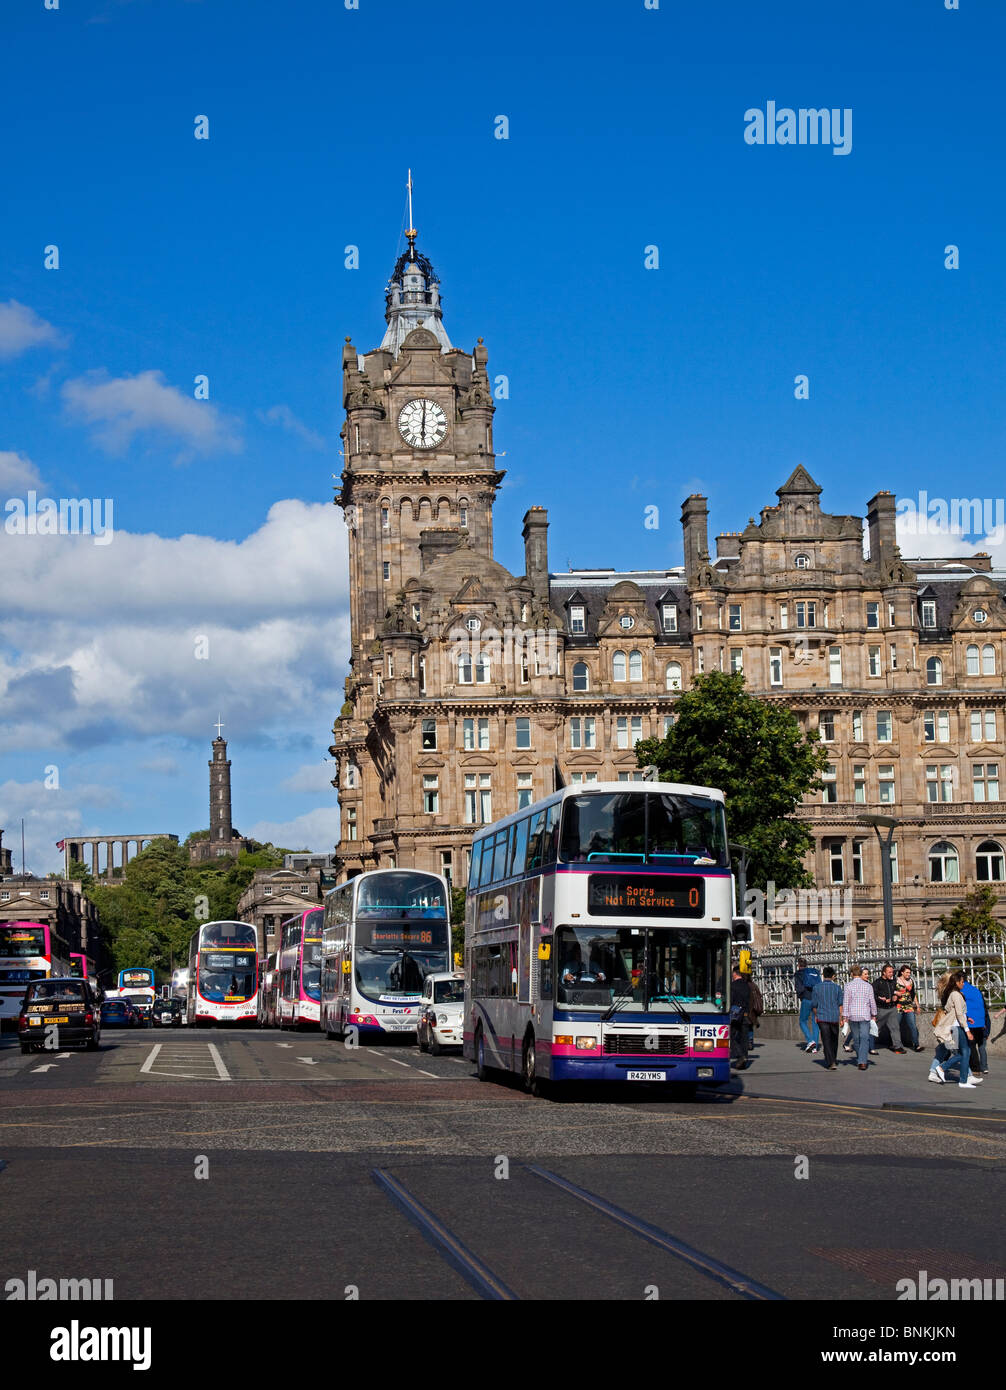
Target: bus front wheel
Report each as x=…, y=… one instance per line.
x=529, y=1067
x=481, y=1070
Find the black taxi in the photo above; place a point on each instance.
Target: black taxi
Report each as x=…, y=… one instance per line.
x=66, y=1004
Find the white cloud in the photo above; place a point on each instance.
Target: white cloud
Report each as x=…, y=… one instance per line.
x=123, y=407
x=122, y=659
x=317, y=831
x=17, y=474
x=49, y=816
x=283, y=416
x=21, y=328
x=311, y=777
x=927, y=540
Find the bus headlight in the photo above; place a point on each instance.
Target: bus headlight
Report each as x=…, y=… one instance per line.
x=586, y=1044
x=703, y=1044
x=441, y=1018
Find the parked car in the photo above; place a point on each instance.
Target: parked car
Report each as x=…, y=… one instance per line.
x=119, y=1013
x=441, y=1012
x=66, y=1004
x=167, y=1013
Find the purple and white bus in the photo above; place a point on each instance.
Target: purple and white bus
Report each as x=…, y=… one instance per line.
x=598, y=930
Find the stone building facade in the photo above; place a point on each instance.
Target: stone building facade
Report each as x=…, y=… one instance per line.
x=274, y=895
x=473, y=691
x=57, y=903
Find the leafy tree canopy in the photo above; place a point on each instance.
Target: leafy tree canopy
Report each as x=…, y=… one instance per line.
x=974, y=916
x=761, y=759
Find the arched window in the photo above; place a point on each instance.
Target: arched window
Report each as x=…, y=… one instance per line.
x=465, y=669
x=581, y=676
x=944, y=866
x=934, y=671
x=618, y=666
x=991, y=862
x=972, y=661
x=802, y=561
x=672, y=676
x=988, y=661
x=635, y=666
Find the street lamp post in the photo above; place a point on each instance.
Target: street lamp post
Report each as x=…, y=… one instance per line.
x=889, y=823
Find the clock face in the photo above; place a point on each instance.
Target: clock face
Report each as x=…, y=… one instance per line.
x=423, y=423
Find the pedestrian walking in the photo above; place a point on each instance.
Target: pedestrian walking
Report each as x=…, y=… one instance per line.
x=740, y=1007
x=826, y=1005
x=950, y=1024
x=859, y=1009
x=888, y=1019
x=755, y=1011
x=804, y=980
x=979, y=1023
x=908, y=1008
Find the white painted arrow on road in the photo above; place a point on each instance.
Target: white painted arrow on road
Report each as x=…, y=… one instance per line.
x=311, y=1061
x=49, y=1066
x=284, y=1044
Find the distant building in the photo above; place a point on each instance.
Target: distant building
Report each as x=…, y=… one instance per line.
x=223, y=838
x=274, y=895
x=55, y=903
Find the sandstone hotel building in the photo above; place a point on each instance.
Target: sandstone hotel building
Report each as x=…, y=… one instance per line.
x=897, y=662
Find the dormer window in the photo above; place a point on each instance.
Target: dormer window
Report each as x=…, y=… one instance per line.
x=577, y=618
x=928, y=612
x=626, y=621
x=669, y=617
x=802, y=561
x=979, y=616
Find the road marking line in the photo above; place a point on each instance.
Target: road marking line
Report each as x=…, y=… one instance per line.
x=150, y=1059
x=222, y=1071
x=49, y=1066
x=434, y=1074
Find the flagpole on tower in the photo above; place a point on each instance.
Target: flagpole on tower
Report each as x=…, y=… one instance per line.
x=411, y=233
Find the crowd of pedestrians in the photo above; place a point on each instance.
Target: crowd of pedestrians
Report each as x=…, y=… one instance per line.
x=883, y=1013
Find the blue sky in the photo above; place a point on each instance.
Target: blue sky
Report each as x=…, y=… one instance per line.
x=628, y=387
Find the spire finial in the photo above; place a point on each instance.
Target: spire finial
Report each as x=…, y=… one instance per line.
x=218, y=726
x=411, y=232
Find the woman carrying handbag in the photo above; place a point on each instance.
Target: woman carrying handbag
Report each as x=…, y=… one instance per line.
x=950, y=1024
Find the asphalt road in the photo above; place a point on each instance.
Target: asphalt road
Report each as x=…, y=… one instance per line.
x=221, y=1165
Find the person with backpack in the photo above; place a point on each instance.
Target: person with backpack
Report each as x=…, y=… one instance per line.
x=755, y=1009
x=804, y=980
x=740, y=1006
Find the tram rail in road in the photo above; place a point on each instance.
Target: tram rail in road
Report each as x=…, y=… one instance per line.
x=490, y=1286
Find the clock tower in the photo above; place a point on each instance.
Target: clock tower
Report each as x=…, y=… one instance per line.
x=419, y=471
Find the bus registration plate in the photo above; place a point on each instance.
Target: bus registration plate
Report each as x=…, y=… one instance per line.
x=646, y=1076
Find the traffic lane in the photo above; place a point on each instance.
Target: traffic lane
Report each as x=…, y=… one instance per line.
x=255, y=1226
x=822, y=1235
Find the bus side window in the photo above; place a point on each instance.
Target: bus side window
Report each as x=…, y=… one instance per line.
x=473, y=872
x=519, y=851
x=535, y=845
x=486, y=872
x=500, y=856
x=551, y=839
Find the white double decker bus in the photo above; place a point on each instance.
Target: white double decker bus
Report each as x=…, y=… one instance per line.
x=384, y=932
x=223, y=974
x=597, y=938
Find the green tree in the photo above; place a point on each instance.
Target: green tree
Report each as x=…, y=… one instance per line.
x=974, y=916
x=761, y=759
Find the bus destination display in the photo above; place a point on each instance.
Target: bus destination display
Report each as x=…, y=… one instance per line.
x=395, y=936
x=645, y=895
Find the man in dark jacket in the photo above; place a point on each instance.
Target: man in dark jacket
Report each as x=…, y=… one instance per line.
x=888, y=1019
x=740, y=1008
x=804, y=980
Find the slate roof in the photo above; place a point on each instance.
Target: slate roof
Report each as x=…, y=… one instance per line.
x=593, y=587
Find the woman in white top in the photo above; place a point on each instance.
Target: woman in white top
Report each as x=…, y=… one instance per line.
x=952, y=1033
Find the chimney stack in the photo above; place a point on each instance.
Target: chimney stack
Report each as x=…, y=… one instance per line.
x=694, y=523
x=536, y=550
x=880, y=521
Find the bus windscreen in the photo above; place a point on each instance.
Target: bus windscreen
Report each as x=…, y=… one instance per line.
x=225, y=976
x=21, y=942
x=673, y=830
x=401, y=894
x=393, y=958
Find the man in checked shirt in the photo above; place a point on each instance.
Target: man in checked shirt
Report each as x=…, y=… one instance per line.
x=859, y=1006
